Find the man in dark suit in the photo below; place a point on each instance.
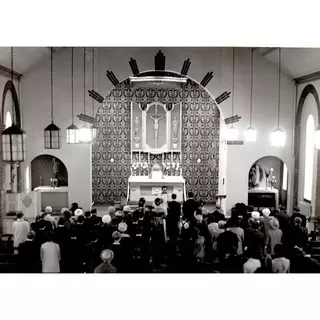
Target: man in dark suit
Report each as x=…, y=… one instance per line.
x=29, y=255
x=189, y=207
x=173, y=217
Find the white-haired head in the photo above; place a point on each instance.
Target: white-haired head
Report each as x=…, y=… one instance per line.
x=48, y=210
x=266, y=212
x=106, y=219
x=78, y=212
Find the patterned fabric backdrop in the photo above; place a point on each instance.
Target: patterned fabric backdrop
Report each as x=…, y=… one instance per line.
x=111, y=162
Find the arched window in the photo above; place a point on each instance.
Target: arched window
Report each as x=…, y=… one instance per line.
x=285, y=177
x=8, y=119
x=27, y=179
x=308, y=169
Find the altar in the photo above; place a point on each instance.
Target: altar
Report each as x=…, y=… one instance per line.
x=150, y=189
x=57, y=197
x=261, y=198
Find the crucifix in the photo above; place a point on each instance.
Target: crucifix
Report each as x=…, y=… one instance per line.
x=156, y=117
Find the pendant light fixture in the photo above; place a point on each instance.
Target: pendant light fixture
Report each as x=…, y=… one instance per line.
x=250, y=135
x=72, y=130
x=13, y=138
x=233, y=133
x=93, y=128
x=278, y=136
x=52, y=132
x=85, y=131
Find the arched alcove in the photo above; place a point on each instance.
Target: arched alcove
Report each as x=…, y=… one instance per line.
x=44, y=167
x=200, y=123
x=268, y=183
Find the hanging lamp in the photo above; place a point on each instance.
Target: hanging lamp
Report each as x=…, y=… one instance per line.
x=94, y=127
x=85, y=135
x=278, y=136
x=72, y=130
x=13, y=138
x=52, y=132
x=232, y=133
x=250, y=135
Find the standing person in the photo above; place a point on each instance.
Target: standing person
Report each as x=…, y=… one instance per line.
x=28, y=255
x=157, y=234
x=274, y=235
x=50, y=255
x=189, y=207
x=49, y=217
x=280, y=264
x=106, y=266
x=236, y=229
x=266, y=221
x=20, y=229
x=164, y=195
x=173, y=217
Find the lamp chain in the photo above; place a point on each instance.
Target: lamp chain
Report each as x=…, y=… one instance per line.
x=12, y=104
x=93, y=79
x=51, y=84
x=279, y=91
x=232, y=111
x=84, y=81
x=72, y=85
x=251, y=87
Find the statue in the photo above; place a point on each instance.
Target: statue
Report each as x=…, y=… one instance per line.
x=137, y=128
x=55, y=167
x=137, y=132
x=156, y=118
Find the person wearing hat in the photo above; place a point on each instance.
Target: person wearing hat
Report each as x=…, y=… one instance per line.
x=265, y=220
x=254, y=239
x=49, y=217
x=105, y=231
x=106, y=266
x=274, y=235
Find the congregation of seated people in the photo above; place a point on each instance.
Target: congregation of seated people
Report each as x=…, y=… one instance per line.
x=164, y=238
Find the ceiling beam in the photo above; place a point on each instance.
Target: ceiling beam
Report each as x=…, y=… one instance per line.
x=308, y=77
x=6, y=72
x=268, y=51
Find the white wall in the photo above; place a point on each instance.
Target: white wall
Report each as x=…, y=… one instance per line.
x=265, y=97
x=36, y=106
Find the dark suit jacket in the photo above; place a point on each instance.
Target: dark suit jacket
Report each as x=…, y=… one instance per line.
x=29, y=256
x=189, y=207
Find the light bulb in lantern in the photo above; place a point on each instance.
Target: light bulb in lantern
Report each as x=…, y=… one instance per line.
x=278, y=138
x=317, y=138
x=85, y=134
x=250, y=135
x=232, y=134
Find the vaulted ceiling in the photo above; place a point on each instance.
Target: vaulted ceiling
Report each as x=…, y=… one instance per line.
x=296, y=62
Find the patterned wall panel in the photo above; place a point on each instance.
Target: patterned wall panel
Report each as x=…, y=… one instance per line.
x=111, y=151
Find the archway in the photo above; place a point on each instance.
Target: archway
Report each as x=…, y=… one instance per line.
x=9, y=86
x=45, y=167
x=309, y=89
x=201, y=123
x=268, y=183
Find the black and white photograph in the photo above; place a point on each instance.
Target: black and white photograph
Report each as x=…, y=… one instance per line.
x=159, y=158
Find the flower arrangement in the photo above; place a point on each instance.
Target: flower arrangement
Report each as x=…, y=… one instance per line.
x=273, y=181
x=268, y=173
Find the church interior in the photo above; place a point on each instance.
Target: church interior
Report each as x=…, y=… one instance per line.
x=104, y=133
